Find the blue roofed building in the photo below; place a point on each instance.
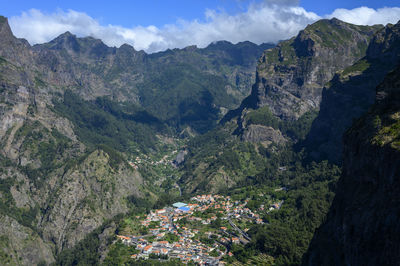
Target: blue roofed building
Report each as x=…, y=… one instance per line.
x=179, y=204
x=184, y=209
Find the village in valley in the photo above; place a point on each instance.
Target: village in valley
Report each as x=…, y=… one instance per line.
x=200, y=231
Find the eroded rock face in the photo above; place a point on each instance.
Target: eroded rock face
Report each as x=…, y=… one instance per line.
x=264, y=134
x=290, y=77
x=53, y=190
x=88, y=195
x=362, y=225
x=180, y=157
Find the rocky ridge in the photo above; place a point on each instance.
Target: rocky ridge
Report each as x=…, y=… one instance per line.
x=350, y=94
x=171, y=85
x=290, y=77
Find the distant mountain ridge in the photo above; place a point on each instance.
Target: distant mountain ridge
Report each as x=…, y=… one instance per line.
x=215, y=78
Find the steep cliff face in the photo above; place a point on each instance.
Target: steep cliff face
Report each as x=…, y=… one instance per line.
x=15, y=49
x=362, y=225
x=350, y=93
x=291, y=76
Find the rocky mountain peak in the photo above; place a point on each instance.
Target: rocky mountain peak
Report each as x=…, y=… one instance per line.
x=350, y=93
x=292, y=75
x=12, y=48
x=220, y=44
x=83, y=49
x=66, y=35
x=127, y=47
x=321, y=33
x=6, y=35
x=66, y=41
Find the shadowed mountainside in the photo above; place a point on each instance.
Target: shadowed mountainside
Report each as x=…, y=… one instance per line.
x=362, y=225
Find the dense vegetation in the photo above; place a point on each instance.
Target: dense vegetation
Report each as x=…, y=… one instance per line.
x=288, y=232
x=122, y=127
x=49, y=148
x=219, y=153
x=182, y=96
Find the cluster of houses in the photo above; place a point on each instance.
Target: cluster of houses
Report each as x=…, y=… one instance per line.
x=185, y=248
x=163, y=223
x=138, y=161
x=232, y=209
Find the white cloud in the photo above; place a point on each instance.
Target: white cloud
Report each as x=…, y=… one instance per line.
x=269, y=21
x=368, y=16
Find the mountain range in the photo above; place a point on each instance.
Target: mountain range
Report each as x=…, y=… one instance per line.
x=84, y=127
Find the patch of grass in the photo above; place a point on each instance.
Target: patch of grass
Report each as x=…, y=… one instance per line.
x=360, y=66
x=288, y=53
x=119, y=254
x=389, y=134
x=262, y=116
x=171, y=238
x=272, y=56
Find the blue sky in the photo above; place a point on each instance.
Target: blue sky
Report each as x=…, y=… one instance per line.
x=159, y=12
x=157, y=25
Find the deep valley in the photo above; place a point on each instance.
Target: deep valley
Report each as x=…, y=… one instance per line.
x=277, y=154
